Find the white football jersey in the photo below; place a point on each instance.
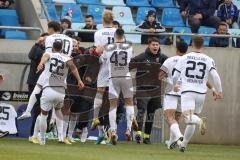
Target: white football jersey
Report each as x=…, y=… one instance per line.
x=194, y=68
x=8, y=118
x=168, y=68
x=102, y=37
x=66, y=41
x=55, y=71
x=118, y=57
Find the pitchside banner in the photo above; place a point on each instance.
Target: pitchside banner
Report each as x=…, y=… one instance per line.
x=19, y=96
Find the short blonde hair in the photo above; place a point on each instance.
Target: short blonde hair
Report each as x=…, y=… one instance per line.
x=107, y=17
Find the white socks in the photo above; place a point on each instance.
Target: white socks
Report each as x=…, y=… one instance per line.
x=192, y=119
x=174, y=129
x=189, y=131
x=100, y=131
x=32, y=100
x=129, y=116
x=42, y=124
x=72, y=125
x=36, y=127
x=97, y=105
x=59, y=123
x=65, y=125
x=112, y=118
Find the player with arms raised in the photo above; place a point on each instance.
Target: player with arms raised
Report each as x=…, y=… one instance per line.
x=53, y=83
x=54, y=30
x=194, y=69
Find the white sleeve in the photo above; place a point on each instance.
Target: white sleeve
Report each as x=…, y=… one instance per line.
x=177, y=70
x=165, y=66
x=97, y=40
x=48, y=44
x=216, y=80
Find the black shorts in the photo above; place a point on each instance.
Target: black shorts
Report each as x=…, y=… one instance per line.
x=80, y=105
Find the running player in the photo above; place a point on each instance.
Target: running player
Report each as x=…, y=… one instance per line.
x=172, y=98
x=193, y=69
x=117, y=56
x=102, y=37
x=53, y=83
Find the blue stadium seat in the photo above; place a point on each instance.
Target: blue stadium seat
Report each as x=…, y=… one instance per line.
x=162, y=3
x=171, y=17
x=123, y=15
x=77, y=16
x=237, y=3
x=64, y=1
x=142, y=13
x=113, y=2
x=187, y=39
x=88, y=2
x=138, y=3
x=47, y=1
x=52, y=11
x=206, y=30
x=9, y=20
x=15, y=35
x=96, y=11
x=8, y=12
x=134, y=38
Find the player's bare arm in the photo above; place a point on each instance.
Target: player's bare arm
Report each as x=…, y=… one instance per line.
x=162, y=75
x=44, y=59
x=74, y=70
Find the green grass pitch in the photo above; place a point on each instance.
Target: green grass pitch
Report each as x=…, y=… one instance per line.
x=21, y=149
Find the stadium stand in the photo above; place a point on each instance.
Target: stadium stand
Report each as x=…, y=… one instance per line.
x=16, y=35
x=206, y=30
x=93, y=2
x=171, y=17
x=142, y=13
x=52, y=11
x=113, y=2
x=187, y=39
x=138, y=3
x=77, y=16
x=234, y=32
x=64, y=1
x=123, y=15
x=162, y=3
x=96, y=11
x=134, y=38
x=48, y=1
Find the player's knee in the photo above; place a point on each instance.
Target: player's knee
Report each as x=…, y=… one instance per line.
x=128, y=101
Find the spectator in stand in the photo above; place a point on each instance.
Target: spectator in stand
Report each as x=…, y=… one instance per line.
x=199, y=13
x=228, y=13
x=90, y=24
x=219, y=2
x=150, y=25
x=6, y=3
x=66, y=24
x=221, y=42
